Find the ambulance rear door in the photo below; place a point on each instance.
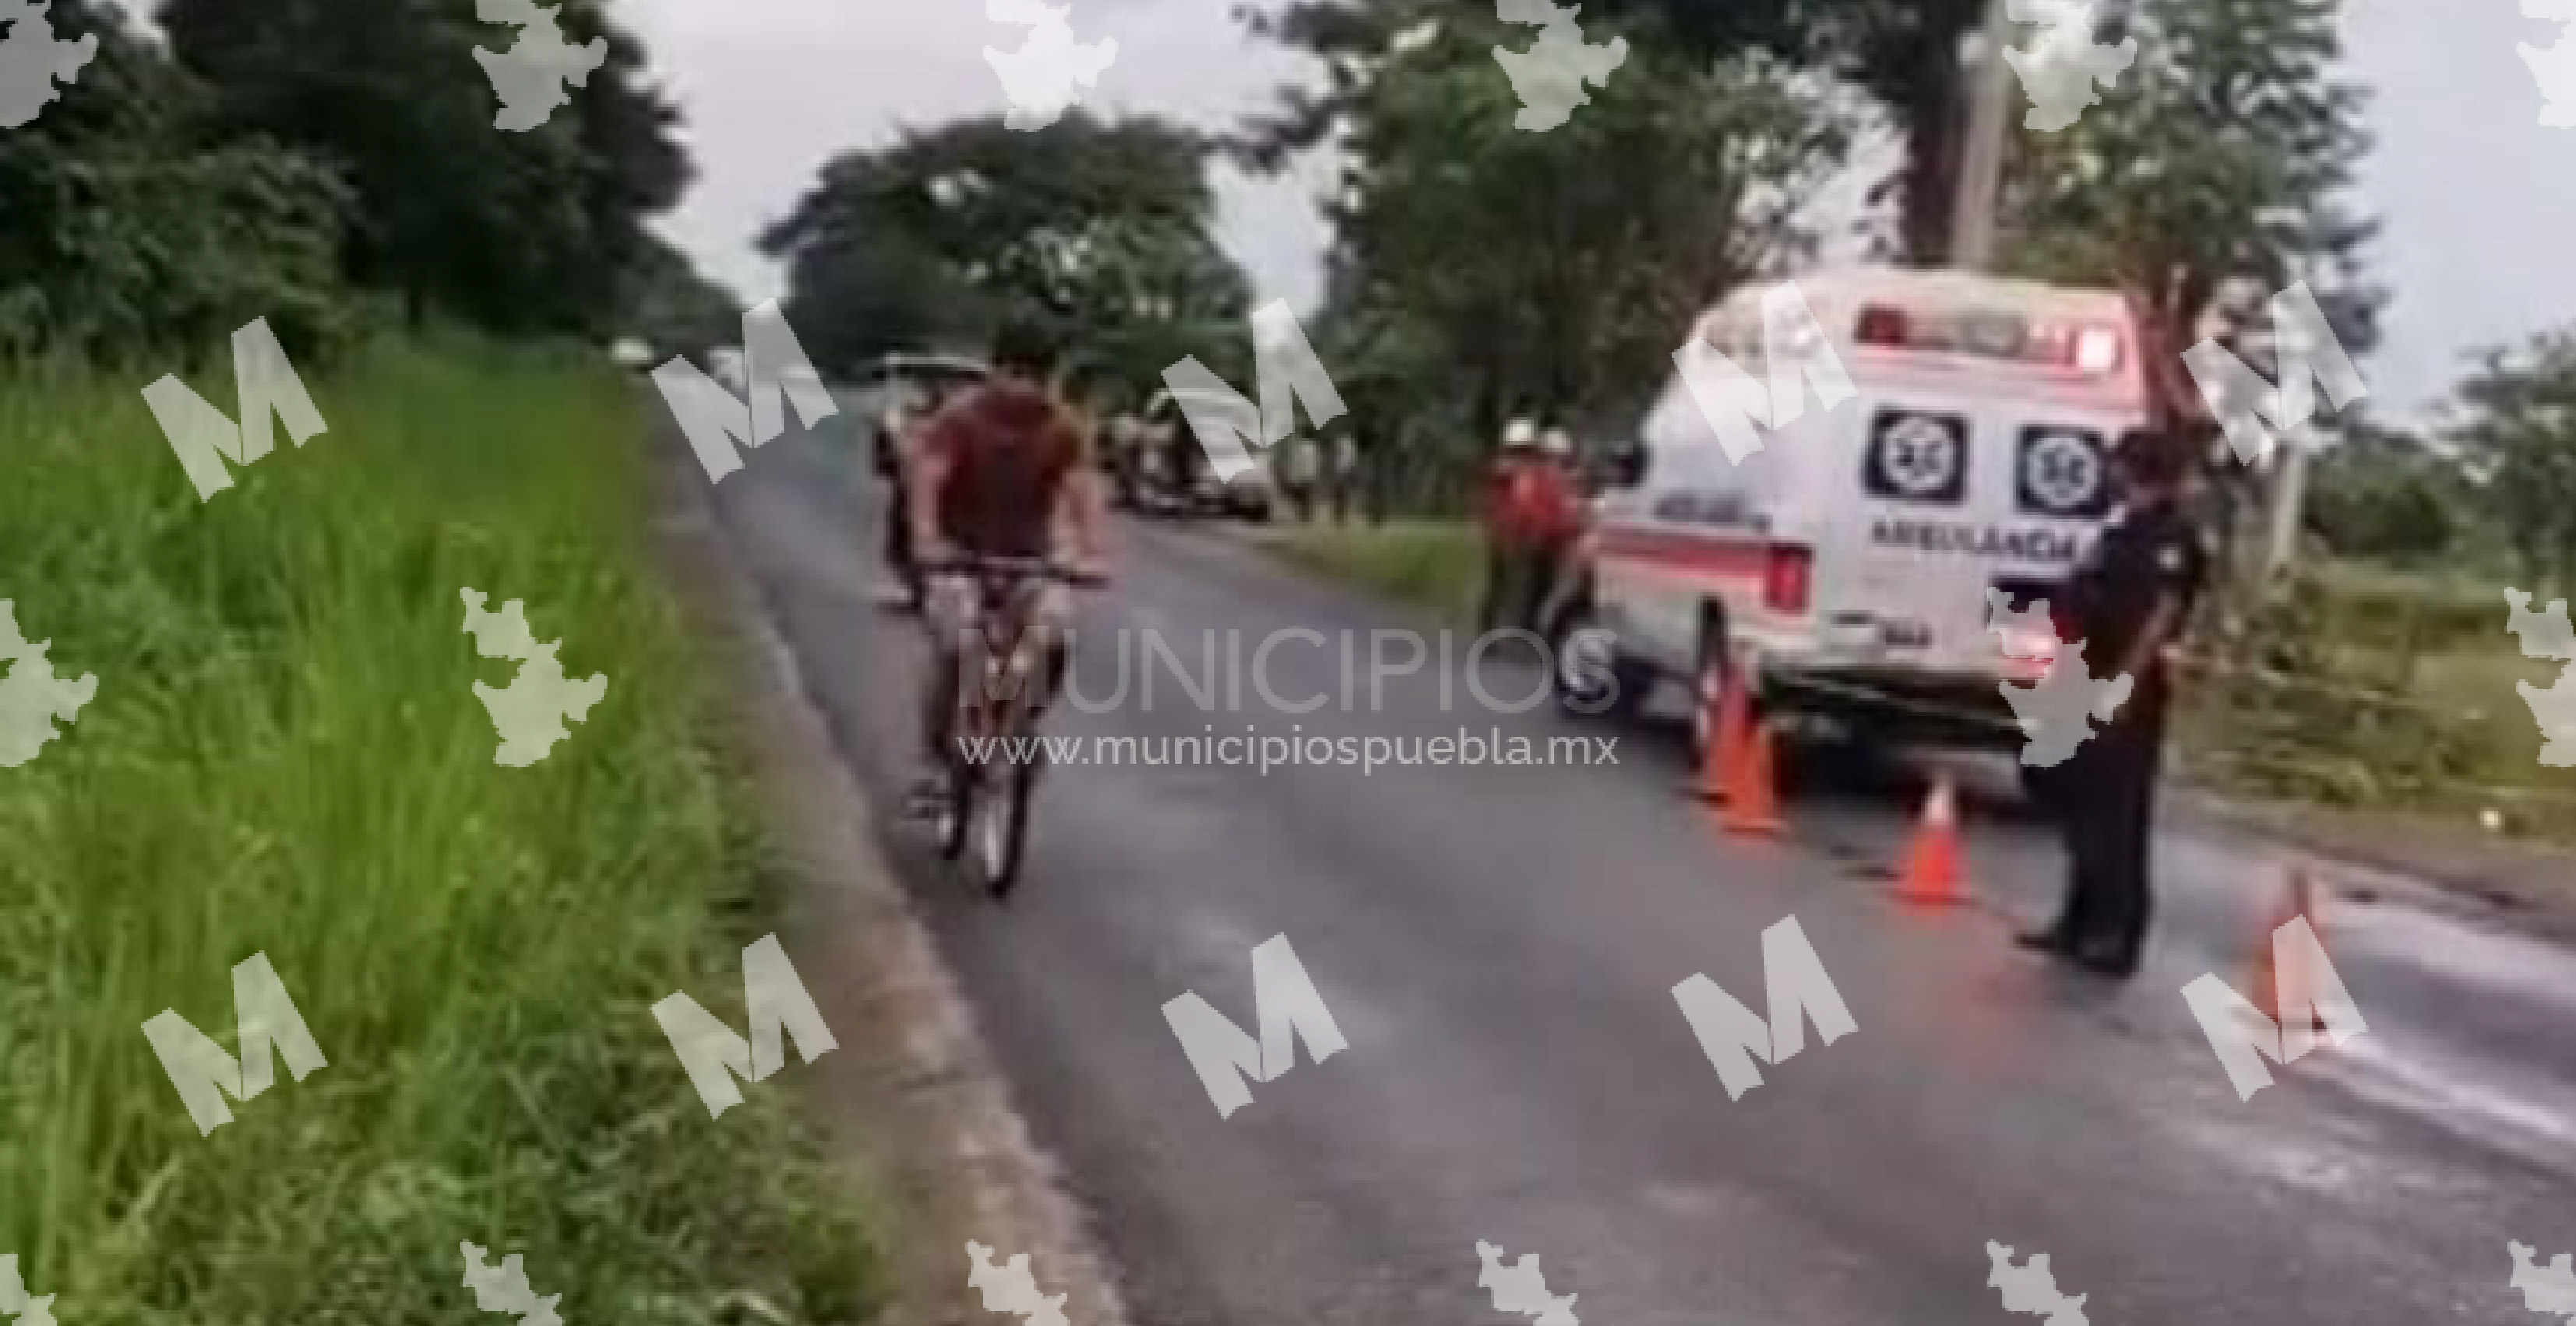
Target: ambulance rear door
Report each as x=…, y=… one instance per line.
x=1963, y=467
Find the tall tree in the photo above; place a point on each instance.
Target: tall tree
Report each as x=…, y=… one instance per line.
x=2216, y=172
x=513, y=229
x=132, y=230
x=1903, y=53
x=1478, y=269
x=1108, y=226
x=856, y=294
x=2517, y=429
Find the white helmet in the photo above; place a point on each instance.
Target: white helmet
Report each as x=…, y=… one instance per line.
x=1519, y=433
x=1554, y=442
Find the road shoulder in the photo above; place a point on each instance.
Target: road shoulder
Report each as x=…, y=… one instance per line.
x=2524, y=885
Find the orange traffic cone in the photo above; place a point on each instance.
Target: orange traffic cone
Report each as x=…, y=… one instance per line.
x=1930, y=875
x=1752, y=805
x=1726, y=718
x=2277, y=985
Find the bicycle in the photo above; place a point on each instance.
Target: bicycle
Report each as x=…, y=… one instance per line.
x=993, y=754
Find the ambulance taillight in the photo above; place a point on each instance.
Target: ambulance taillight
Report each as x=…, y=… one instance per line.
x=1785, y=573
x=1880, y=325
x=2027, y=654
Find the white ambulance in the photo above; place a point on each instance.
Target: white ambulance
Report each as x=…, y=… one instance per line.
x=1844, y=566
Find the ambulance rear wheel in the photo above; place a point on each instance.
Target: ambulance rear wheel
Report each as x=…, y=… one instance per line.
x=1711, y=664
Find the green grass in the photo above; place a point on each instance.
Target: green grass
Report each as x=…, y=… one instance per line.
x=2378, y=689
x=285, y=756
x=1436, y=564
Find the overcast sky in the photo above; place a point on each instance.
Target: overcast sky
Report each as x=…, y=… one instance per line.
x=2480, y=202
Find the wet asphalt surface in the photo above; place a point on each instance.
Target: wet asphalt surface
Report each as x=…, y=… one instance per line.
x=1499, y=946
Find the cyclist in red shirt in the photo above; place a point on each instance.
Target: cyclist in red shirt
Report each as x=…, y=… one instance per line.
x=999, y=472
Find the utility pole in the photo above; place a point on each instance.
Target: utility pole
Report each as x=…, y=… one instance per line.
x=2290, y=454
x=1981, y=149
x=2289, y=500
x=1989, y=125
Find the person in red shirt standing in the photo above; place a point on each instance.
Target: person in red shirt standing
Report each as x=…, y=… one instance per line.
x=1498, y=516
x=1557, y=519
x=1532, y=512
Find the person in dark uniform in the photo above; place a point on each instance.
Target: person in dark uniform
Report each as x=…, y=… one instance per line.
x=2128, y=601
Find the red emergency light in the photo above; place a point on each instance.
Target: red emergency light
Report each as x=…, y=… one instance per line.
x=2093, y=348
x=2085, y=347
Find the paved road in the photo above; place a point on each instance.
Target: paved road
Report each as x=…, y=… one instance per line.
x=1499, y=946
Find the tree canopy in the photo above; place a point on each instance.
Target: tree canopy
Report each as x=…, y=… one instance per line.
x=286, y=157
x=1902, y=53
x=129, y=230
x=1106, y=226
x=511, y=229
x=2216, y=172
x=1478, y=270
x=2516, y=432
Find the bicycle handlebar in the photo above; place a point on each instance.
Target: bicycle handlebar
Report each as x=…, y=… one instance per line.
x=1014, y=568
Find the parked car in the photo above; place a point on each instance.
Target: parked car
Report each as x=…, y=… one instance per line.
x=731, y=369
x=1179, y=480
x=905, y=387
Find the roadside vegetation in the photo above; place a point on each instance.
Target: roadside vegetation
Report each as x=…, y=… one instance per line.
x=285, y=756
x=1434, y=564
x=2360, y=686
x=238, y=169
